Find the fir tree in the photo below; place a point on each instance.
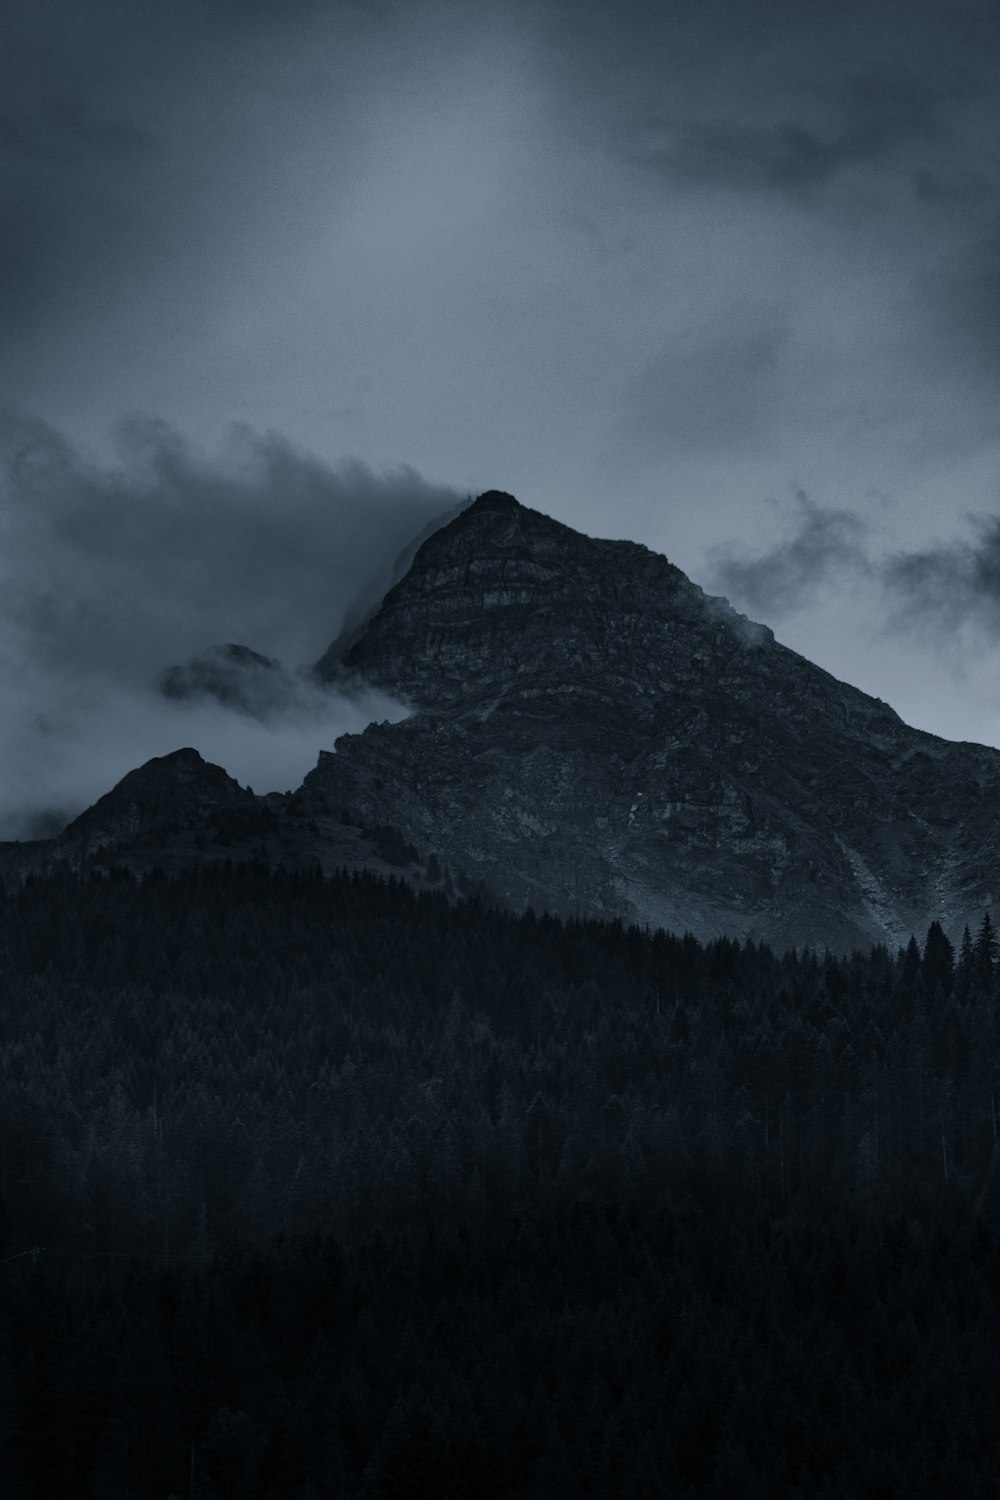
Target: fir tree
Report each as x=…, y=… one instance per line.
x=985, y=952
x=938, y=961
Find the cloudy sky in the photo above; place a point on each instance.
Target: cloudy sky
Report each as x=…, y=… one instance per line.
x=281, y=281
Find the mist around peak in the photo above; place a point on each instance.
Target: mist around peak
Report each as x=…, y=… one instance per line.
x=113, y=573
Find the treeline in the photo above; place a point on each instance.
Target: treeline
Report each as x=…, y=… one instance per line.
x=342, y=1189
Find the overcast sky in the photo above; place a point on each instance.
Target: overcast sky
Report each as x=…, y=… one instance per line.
x=279, y=281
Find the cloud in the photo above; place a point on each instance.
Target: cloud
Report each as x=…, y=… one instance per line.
x=964, y=299
x=65, y=742
x=170, y=549
x=825, y=545
x=239, y=678
x=876, y=114
x=949, y=588
x=125, y=130
x=77, y=158
x=110, y=574
x=713, y=387
x=938, y=593
x=669, y=255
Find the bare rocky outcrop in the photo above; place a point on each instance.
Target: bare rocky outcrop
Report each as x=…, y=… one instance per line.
x=593, y=734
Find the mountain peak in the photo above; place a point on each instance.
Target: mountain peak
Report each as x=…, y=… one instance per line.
x=494, y=500
x=497, y=518
x=504, y=594
x=180, y=789
x=187, y=756
x=595, y=733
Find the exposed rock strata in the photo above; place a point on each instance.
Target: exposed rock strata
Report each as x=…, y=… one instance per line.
x=594, y=733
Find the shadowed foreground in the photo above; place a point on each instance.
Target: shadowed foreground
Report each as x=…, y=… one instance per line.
x=345, y=1191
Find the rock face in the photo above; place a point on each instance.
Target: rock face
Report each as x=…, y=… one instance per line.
x=178, y=810
x=170, y=793
x=594, y=734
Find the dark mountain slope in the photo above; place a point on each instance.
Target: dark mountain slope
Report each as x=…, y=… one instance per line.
x=594, y=733
x=178, y=810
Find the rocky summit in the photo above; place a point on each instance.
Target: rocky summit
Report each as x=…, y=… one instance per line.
x=592, y=734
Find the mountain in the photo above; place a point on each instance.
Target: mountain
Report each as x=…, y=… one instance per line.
x=595, y=734
x=172, y=793
x=175, y=809
x=591, y=733
x=179, y=810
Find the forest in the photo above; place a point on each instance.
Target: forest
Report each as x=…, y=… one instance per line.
x=317, y=1186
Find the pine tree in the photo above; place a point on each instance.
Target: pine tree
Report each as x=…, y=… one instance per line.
x=938, y=961
x=909, y=959
x=985, y=952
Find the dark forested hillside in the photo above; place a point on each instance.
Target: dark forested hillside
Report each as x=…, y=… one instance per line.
x=319, y=1187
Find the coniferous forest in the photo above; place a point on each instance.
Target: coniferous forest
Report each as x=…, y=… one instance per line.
x=320, y=1187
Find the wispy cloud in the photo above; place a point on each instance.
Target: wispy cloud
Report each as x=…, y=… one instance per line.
x=872, y=116
x=823, y=545
x=950, y=587
x=940, y=593
x=112, y=573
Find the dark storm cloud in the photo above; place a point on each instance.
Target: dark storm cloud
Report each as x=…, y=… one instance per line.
x=171, y=549
x=825, y=545
x=94, y=101
x=241, y=679
x=361, y=224
x=937, y=591
x=873, y=116
x=62, y=169
x=110, y=574
x=948, y=587
x=70, y=156
x=768, y=125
